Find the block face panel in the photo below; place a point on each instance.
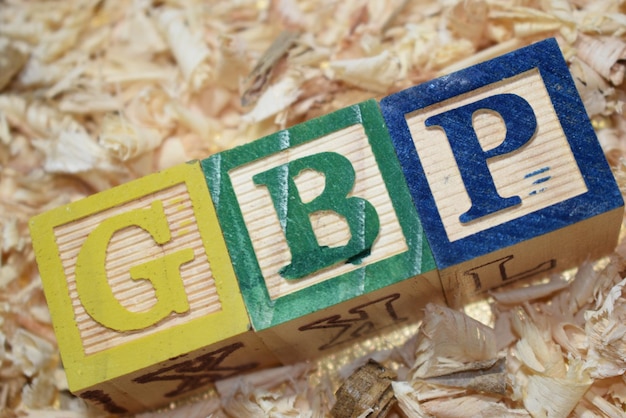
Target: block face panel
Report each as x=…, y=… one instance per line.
x=499, y=153
x=542, y=173
x=137, y=275
x=124, y=249
x=267, y=237
x=316, y=215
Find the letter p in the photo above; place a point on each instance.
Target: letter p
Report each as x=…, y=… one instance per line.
x=521, y=125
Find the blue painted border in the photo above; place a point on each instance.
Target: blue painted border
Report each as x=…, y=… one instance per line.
x=545, y=56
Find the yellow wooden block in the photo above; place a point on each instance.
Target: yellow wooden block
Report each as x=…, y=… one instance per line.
x=141, y=291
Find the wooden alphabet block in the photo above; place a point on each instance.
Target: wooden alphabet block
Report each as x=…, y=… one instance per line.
x=505, y=171
x=324, y=238
x=144, y=301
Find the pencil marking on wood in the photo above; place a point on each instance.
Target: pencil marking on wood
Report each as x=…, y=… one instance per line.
x=102, y=398
x=198, y=372
x=363, y=321
x=500, y=266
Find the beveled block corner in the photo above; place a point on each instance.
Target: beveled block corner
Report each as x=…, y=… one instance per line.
x=141, y=288
x=505, y=170
x=319, y=221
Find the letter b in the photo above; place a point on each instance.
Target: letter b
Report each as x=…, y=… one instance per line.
x=307, y=256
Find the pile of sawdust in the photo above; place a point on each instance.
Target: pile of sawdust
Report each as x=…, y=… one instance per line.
x=94, y=93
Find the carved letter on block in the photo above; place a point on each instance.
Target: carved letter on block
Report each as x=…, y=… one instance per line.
x=142, y=294
x=322, y=232
x=505, y=170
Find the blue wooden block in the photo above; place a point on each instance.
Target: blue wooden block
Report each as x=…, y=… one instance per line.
x=505, y=170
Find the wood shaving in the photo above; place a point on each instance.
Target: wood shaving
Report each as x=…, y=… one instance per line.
x=12, y=59
x=486, y=377
x=376, y=73
x=450, y=341
x=260, y=74
x=606, y=332
x=524, y=294
x=94, y=93
x=190, y=51
x=367, y=392
x=604, y=55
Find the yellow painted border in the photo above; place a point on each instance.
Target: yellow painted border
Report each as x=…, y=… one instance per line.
x=85, y=371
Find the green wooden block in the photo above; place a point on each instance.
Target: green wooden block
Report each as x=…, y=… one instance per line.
x=319, y=222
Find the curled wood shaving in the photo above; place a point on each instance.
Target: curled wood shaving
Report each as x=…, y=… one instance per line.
x=553, y=396
x=191, y=53
x=376, y=73
x=126, y=140
x=469, y=20
x=367, y=392
x=606, y=332
x=534, y=349
x=571, y=337
x=257, y=80
x=74, y=152
x=249, y=400
x=449, y=341
x=605, y=55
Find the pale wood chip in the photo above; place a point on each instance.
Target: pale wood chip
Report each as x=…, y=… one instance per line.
x=12, y=59
x=256, y=82
x=367, y=392
x=488, y=377
x=449, y=341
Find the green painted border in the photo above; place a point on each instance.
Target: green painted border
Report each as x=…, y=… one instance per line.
x=264, y=312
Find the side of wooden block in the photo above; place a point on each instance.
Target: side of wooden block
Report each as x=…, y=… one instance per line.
x=562, y=249
x=341, y=325
x=501, y=160
x=136, y=276
x=179, y=377
x=314, y=216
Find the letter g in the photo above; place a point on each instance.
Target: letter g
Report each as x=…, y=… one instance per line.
x=94, y=290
